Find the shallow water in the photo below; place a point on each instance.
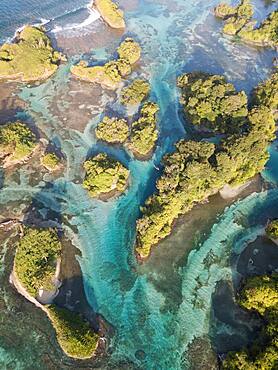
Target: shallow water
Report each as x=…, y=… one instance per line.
x=157, y=309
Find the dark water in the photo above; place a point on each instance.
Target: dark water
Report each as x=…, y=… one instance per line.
x=161, y=308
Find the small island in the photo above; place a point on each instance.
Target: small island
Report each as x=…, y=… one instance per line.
x=199, y=169
x=105, y=177
x=51, y=162
x=30, y=58
x=17, y=143
x=135, y=93
x=144, y=133
x=36, y=277
x=110, y=74
x=110, y=13
x=238, y=22
x=258, y=294
x=113, y=130
x=211, y=103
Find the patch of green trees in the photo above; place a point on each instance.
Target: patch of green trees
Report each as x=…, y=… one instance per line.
x=211, y=102
x=111, y=73
x=17, y=141
x=135, y=93
x=30, y=58
x=105, y=175
x=198, y=169
x=144, y=133
x=238, y=21
x=259, y=294
x=36, y=258
x=113, y=130
x=74, y=334
x=51, y=161
x=272, y=229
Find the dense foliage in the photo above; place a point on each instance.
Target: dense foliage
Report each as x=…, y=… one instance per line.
x=111, y=13
x=16, y=141
x=36, y=257
x=50, y=161
x=259, y=293
x=111, y=74
x=198, y=169
x=135, y=93
x=143, y=131
x=272, y=229
x=31, y=58
x=104, y=175
x=212, y=103
x=238, y=21
x=129, y=50
x=74, y=335
x=267, y=94
x=113, y=130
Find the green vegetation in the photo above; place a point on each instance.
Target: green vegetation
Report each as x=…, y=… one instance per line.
x=238, y=21
x=198, y=169
x=129, y=50
x=111, y=13
x=272, y=229
x=267, y=94
x=74, y=335
x=50, y=161
x=143, y=132
x=36, y=257
x=260, y=294
x=104, y=175
x=110, y=75
x=17, y=141
x=212, y=103
x=135, y=93
x=113, y=130
x=30, y=58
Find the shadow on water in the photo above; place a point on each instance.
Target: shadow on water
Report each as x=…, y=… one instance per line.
x=231, y=327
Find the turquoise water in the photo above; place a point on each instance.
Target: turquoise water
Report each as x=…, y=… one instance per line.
x=157, y=309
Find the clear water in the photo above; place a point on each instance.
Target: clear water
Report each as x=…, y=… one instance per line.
x=157, y=309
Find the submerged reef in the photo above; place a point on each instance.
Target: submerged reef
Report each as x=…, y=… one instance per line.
x=17, y=143
x=30, y=58
x=105, y=177
x=238, y=22
x=110, y=13
x=36, y=276
x=199, y=169
x=259, y=294
x=110, y=74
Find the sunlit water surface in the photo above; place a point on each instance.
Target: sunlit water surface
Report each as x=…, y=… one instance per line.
x=160, y=307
